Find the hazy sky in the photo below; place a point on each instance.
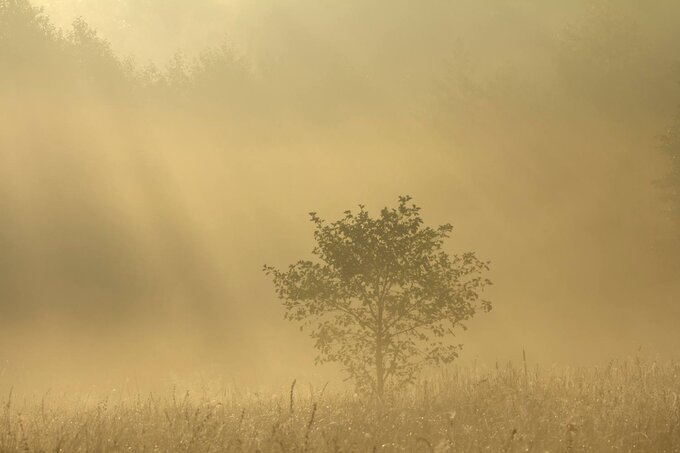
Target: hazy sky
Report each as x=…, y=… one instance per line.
x=533, y=127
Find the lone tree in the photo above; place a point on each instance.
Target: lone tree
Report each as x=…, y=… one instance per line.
x=383, y=297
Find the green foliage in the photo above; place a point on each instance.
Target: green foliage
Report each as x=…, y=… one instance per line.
x=383, y=297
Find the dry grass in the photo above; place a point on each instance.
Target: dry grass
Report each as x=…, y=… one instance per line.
x=627, y=406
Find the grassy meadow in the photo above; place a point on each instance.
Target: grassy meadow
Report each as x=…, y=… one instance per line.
x=631, y=405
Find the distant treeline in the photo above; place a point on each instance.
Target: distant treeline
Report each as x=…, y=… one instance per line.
x=38, y=59
x=615, y=60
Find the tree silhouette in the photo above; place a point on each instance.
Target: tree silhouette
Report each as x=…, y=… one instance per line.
x=384, y=297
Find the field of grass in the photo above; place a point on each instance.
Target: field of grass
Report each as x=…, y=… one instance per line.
x=627, y=406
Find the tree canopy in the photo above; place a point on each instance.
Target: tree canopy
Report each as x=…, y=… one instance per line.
x=383, y=297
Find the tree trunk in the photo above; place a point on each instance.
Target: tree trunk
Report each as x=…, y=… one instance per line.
x=379, y=349
x=379, y=368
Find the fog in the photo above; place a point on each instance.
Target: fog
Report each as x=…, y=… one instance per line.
x=155, y=154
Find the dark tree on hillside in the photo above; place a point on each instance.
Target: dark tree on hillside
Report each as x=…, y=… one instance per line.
x=383, y=297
